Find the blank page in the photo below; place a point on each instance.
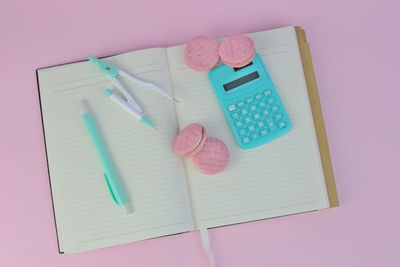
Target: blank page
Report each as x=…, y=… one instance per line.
x=279, y=178
x=151, y=173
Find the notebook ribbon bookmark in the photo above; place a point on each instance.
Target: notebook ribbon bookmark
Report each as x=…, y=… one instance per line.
x=206, y=246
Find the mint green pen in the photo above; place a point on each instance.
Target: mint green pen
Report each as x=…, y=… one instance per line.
x=113, y=184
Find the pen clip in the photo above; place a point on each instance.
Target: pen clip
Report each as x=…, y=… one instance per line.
x=110, y=189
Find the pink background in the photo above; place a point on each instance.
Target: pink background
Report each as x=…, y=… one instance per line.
x=355, y=47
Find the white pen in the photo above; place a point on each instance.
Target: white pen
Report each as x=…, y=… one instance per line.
x=126, y=106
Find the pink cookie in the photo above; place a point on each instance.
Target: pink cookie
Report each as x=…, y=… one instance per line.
x=237, y=51
x=213, y=158
x=190, y=140
x=201, y=53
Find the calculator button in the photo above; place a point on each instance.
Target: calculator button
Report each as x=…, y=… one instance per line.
x=249, y=100
x=242, y=131
x=274, y=108
x=278, y=117
x=239, y=124
x=251, y=128
x=266, y=112
x=263, y=132
x=259, y=96
x=255, y=136
x=271, y=100
x=246, y=140
x=244, y=111
x=271, y=125
x=268, y=92
x=282, y=124
x=240, y=104
x=235, y=116
x=262, y=104
x=257, y=116
x=231, y=107
x=253, y=107
x=247, y=120
x=260, y=124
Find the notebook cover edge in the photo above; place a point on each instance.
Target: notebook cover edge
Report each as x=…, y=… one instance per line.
x=316, y=110
x=47, y=164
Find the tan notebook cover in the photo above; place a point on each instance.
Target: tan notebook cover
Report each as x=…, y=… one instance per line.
x=317, y=116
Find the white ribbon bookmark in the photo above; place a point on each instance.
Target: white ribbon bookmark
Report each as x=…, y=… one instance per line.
x=206, y=246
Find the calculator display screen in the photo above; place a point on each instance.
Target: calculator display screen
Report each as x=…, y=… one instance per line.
x=238, y=82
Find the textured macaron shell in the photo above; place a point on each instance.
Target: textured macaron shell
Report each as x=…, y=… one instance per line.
x=201, y=53
x=213, y=158
x=237, y=51
x=190, y=140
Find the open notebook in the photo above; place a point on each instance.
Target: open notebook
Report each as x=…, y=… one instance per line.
x=168, y=194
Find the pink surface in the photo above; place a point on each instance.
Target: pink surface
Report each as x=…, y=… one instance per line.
x=237, y=51
x=355, y=47
x=213, y=157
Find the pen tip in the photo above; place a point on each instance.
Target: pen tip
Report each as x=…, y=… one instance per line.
x=83, y=106
x=146, y=121
x=127, y=209
x=176, y=100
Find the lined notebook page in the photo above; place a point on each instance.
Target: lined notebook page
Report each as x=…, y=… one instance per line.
x=152, y=174
x=279, y=178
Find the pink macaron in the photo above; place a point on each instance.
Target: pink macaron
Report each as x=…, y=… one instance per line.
x=237, y=51
x=213, y=158
x=201, y=53
x=190, y=140
x=209, y=155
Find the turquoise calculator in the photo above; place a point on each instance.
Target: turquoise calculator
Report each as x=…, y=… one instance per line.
x=250, y=102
